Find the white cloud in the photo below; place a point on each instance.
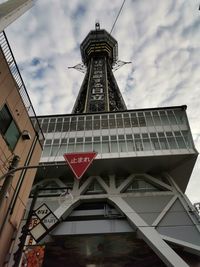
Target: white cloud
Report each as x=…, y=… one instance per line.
x=161, y=38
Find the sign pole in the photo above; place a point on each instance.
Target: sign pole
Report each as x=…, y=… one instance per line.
x=25, y=230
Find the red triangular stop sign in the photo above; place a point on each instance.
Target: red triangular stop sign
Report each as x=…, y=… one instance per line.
x=79, y=162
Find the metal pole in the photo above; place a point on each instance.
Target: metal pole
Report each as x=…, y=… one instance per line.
x=25, y=230
x=8, y=179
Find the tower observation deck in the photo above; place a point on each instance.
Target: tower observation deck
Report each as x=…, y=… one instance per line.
x=99, y=91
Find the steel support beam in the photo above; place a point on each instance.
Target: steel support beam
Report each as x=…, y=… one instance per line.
x=149, y=235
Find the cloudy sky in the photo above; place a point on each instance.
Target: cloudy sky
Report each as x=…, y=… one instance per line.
x=160, y=38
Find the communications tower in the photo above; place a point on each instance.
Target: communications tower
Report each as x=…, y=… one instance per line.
x=129, y=207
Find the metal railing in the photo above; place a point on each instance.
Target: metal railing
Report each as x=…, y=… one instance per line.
x=5, y=47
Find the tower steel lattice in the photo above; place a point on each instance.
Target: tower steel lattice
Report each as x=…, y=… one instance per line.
x=99, y=91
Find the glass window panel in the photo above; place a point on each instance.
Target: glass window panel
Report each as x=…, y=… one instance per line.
x=73, y=126
x=145, y=135
x=88, y=125
x=180, y=116
x=129, y=137
x=53, y=120
x=121, y=137
x=164, y=119
x=66, y=126
x=51, y=127
x=81, y=118
x=113, y=137
x=56, y=141
x=127, y=122
x=105, y=138
x=58, y=127
x=104, y=117
x=169, y=134
x=79, y=139
x=163, y=143
x=46, y=151
x=149, y=121
x=88, y=118
x=119, y=123
x=44, y=127
x=74, y=119
x=64, y=141
x=136, y=136
x=88, y=147
x=153, y=135
x=80, y=126
x=79, y=147
x=142, y=121
x=111, y=116
x=126, y=115
x=96, y=124
x=160, y=134
x=88, y=139
x=5, y=119
x=62, y=149
x=133, y=115
x=105, y=147
x=147, y=144
x=172, y=143
x=134, y=122
x=172, y=119
x=48, y=142
x=12, y=135
x=122, y=146
x=119, y=115
x=70, y=148
x=96, y=138
x=71, y=140
x=104, y=124
x=97, y=147
x=54, y=150
x=162, y=112
x=138, y=145
x=177, y=133
x=180, y=142
x=155, y=143
x=157, y=120
x=114, y=147
x=112, y=123
x=187, y=138
x=155, y=113
x=130, y=146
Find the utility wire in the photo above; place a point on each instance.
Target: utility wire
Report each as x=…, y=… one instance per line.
x=117, y=16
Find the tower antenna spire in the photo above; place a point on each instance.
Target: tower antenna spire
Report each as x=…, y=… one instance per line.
x=97, y=25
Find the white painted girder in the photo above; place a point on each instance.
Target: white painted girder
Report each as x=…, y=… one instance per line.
x=149, y=235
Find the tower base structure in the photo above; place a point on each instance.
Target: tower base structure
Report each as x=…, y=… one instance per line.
x=129, y=208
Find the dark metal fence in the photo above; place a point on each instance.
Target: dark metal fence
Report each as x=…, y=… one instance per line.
x=5, y=47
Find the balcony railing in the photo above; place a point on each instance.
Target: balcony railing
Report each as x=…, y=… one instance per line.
x=5, y=47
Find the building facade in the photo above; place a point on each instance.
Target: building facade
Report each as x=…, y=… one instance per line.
x=129, y=207
x=18, y=137
x=11, y=10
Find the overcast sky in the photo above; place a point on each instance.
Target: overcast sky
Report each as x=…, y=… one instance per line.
x=161, y=38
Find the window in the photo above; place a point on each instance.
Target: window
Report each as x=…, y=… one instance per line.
x=8, y=127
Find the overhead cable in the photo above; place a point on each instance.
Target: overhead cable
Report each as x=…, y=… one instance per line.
x=117, y=16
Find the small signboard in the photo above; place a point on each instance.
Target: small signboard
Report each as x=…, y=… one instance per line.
x=46, y=221
x=79, y=162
